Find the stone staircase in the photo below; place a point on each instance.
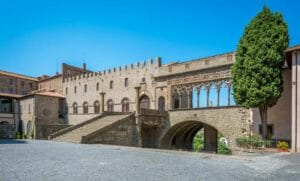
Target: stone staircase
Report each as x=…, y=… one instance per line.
x=75, y=134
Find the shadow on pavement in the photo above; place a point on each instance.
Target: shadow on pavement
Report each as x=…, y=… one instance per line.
x=12, y=141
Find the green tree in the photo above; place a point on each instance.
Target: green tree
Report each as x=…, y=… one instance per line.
x=257, y=78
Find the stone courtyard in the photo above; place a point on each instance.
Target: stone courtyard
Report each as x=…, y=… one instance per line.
x=48, y=160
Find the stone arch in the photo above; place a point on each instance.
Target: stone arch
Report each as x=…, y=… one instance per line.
x=125, y=104
x=28, y=127
x=181, y=135
x=96, y=107
x=75, y=108
x=161, y=103
x=145, y=102
x=110, y=105
x=85, y=106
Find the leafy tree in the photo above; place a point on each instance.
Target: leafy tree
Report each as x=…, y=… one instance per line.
x=257, y=78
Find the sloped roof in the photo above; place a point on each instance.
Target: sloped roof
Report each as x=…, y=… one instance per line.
x=10, y=95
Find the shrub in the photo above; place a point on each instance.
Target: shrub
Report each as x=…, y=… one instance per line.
x=282, y=145
x=31, y=134
x=18, y=135
x=24, y=136
x=268, y=143
x=198, y=141
x=223, y=149
x=250, y=141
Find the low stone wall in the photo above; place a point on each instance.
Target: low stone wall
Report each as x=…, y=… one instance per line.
x=43, y=131
x=152, y=123
x=7, y=131
x=123, y=132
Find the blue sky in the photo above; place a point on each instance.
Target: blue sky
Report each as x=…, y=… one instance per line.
x=37, y=36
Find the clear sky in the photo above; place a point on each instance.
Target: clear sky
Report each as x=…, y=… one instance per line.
x=36, y=36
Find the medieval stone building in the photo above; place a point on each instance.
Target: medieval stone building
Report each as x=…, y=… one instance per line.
x=157, y=105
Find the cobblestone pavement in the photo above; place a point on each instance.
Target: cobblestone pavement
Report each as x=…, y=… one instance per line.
x=47, y=160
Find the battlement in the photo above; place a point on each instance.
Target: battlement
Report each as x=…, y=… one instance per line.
x=150, y=63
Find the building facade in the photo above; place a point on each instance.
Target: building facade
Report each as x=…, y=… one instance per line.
x=77, y=94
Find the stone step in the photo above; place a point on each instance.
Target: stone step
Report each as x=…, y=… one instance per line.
x=75, y=136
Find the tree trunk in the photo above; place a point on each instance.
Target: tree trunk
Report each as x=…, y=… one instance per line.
x=263, y=110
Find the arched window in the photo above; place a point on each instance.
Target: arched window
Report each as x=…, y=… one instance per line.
x=85, y=108
x=110, y=105
x=176, y=101
x=85, y=88
x=125, y=105
x=111, y=84
x=203, y=96
x=232, y=101
x=28, y=127
x=145, y=102
x=223, y=95
x=126, y=82
x=97, y=87
x=213, y=96
x=75, y=108
x=161, y=103
x=96, y=107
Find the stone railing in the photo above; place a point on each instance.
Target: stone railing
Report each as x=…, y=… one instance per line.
x=7, y=131
x=63, y=131
x=44, y=130
x=152, y=112
x=86, y=138
x=204, y=108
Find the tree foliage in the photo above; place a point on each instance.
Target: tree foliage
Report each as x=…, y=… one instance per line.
x=257, y=78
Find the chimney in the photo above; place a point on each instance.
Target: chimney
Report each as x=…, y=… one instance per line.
x=84, y=66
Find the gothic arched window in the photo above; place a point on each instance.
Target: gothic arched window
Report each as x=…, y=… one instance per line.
x=85, y=108
x=125, y=105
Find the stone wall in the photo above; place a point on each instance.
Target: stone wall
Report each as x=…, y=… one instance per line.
x=52, y=83
x=279, y=116
x=47, y=109
x=27, y=109
x=231, y=122
x=7, y=131
x=16, y=84
x=123, y=132
x=100, y=82
x=152, y=124
x=43, y=131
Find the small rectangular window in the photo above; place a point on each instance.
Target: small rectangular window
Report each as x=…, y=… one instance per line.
x=97, y=86
x=66, y=90
x=111, y=84
x=22, y=83
x=30, y=85
x=85, y=88
x=126, y=82
x=75, y=90
x=270, y=130
x=11, y=81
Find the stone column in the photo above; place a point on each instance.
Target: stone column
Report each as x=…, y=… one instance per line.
x=188, y=99
x=137, y=115
x=198, y=97
x=210, y=139
x=207, y=97
x=218, y=91
x=102, y=102
x=180, y=97
x=229, y=90
x=137, y=100
x=295, y=127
